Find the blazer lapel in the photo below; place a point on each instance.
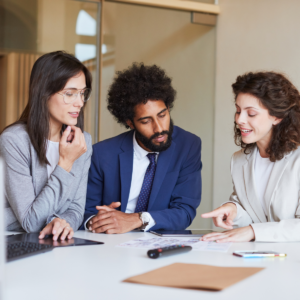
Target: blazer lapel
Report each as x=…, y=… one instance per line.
x=126, y=166
x=276, y=174
x=250, y=186
x=163, y=163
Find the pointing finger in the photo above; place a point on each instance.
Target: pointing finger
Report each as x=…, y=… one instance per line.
x=214, y=213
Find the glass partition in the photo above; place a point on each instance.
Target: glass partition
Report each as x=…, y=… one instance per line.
x=186, y=51
x=130, y=33
x=30, y=28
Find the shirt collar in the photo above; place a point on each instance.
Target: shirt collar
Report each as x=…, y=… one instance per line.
x=139, y=152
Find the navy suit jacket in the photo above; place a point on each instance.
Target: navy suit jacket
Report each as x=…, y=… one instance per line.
x=176, y=189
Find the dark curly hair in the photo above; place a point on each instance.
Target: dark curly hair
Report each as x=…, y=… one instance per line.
x=282, y=100
x=138, y=84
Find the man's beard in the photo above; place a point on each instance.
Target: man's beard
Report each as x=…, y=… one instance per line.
x=147, y=142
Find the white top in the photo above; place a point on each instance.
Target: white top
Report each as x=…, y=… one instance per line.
x=140, y=165
x=52, y=155
x=262, y=170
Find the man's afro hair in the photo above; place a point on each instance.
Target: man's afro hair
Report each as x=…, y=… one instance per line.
x=135, y=85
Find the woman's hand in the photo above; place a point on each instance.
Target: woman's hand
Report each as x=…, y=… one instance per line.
x=57, y=227
x=71, y=146
x=243, y=234
x=223, y=216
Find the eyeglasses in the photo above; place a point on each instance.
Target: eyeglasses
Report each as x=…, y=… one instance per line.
x=70, y=95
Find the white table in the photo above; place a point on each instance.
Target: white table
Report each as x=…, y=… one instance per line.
x=96, y=272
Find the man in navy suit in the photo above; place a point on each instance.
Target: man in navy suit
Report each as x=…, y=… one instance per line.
x=148, y=177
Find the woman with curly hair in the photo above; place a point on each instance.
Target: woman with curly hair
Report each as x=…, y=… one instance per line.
x=264, y=204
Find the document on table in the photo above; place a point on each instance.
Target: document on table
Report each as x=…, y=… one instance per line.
x=158, y=242
x=194, y=276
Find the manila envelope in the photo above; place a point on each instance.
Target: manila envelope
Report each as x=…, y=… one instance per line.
x=194, y=276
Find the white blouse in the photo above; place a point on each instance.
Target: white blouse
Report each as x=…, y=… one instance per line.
x=262, y=170
x=52, y=155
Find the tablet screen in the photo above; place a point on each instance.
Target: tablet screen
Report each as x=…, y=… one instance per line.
x=181, y=232
x=34, y=238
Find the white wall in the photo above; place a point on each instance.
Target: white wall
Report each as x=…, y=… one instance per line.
x=251, y=35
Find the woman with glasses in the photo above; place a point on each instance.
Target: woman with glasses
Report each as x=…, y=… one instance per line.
x=264, y=205
x=46, y=152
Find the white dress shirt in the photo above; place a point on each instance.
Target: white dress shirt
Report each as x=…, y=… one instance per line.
x=262, y=170
x=140, y=165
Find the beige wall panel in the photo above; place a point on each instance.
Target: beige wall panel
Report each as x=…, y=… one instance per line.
x=21, y=96
x=15, y=69
x=26, y=76
x=12, y=88
x=3, y=85
x=51, y=24
x=251, y=35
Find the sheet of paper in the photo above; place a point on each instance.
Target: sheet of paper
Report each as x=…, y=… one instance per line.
x=212, y=246
x=158, y=242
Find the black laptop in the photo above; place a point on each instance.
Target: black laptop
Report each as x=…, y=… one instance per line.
x=28, y=244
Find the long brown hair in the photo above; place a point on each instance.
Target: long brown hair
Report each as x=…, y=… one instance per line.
x=49, y=75
x=282, y=100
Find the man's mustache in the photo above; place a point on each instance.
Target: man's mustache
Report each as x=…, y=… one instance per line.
x=157, y=134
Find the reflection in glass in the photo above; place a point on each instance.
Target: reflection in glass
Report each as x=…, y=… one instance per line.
x=186, y=51
x=86, y=24
x=85, y=51
x=30, y=28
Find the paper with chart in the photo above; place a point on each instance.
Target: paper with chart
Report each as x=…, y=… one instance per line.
x=158, y=242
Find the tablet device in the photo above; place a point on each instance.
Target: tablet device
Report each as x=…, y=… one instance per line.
x=257, y=253
x=48, y=240
x=184, y=233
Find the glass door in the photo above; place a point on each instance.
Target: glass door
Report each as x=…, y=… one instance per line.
x=186, y=51
x=30, y=28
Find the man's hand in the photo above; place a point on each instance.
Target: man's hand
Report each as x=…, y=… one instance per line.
x=243, y=234
x=109, y=207
x=101, y=209
x=223, y=216
x=57, y=227
x=113, y=221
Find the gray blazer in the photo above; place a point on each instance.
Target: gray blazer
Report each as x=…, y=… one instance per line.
x=282, y=223
x=32, y=199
